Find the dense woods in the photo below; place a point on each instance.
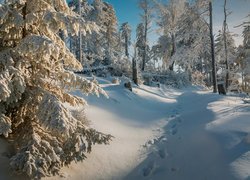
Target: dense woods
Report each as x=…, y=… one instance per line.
x=183, y=49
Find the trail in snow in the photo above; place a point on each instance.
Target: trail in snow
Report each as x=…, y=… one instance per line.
x=195, y=153
x=191, y=150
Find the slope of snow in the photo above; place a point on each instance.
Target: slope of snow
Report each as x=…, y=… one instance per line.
x=162, y=133
x=233, y=120
x=133, y=119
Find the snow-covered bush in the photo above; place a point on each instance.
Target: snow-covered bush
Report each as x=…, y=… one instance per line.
x=121, y=67
x=198, y=78
x=169, y=78
x=35, y=77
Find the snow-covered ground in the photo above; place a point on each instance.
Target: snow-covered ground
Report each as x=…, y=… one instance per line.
x=162, y=133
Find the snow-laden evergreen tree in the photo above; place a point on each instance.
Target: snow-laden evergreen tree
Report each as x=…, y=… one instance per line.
x=99, y=49
x=102, y=45
x=126, y=37
x=78, y=43
x=92, y=43
x=37, y=114
x=193, y=41
x=111, y=35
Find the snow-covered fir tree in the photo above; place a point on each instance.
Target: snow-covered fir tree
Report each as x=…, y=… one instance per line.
x=102, y=45
x=77, y=43
x=111, y=35
x=37, y=114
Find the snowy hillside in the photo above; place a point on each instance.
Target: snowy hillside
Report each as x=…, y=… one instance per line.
x=159, y=132
x=180, y=134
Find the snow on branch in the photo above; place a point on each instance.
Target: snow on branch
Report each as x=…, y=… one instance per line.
x=46, y=124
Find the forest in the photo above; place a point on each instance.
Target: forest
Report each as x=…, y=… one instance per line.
x=85, y=96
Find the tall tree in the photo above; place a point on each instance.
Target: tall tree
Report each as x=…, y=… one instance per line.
x=244, y=55
x=193, y=39
x=225, y=59
x=102, y=46
x=80, y=34
x=111, y=35
x=169, y=15
x=126, y=37
x=135, y=67
x=214, y=71
x=225, y=29
x=78, y=42
x=146, y=16
x=36, y=110
x=140, y=42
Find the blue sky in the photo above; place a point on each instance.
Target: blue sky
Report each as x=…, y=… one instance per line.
x=128, y=11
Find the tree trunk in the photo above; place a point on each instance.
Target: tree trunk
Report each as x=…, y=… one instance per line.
x=24, y=13
x=212, y=49
x=134, y=68
x=145, y=41
x=80, y=35
x=171, y=67
x=135, y=73
x=126, y=46
x=225, y=44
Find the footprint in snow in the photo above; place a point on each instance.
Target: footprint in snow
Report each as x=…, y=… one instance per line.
x=162, y=153
x=174, y=126
x=173, y=115
x=148, y=169
x=174, y=131
x=179, y=120
x=173, y=169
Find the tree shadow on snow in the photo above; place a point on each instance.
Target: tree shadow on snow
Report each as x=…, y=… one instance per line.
x=130, y=106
